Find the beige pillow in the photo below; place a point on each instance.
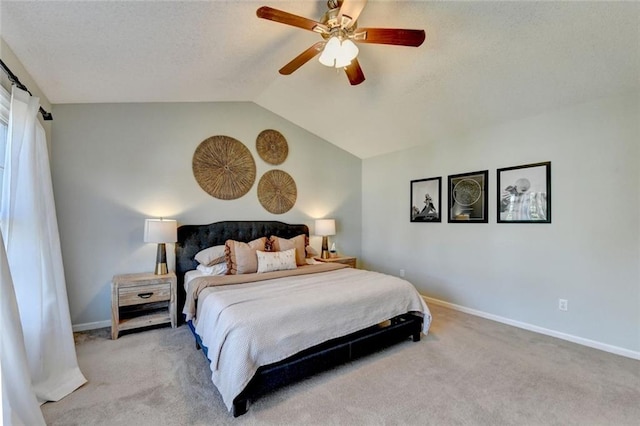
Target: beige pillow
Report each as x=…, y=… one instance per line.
x=211, y=256
x=276, y=261
x=299, y=243
x=241, y=257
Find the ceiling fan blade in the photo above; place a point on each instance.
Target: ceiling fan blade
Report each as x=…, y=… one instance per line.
x=302, y=58
x=349, y=12
x=266, y=12
x=354, y=73
x=393, y=36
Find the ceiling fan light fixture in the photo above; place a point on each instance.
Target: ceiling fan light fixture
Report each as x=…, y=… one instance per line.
x=349, y=49
x=338, y=53
x=330, y=52
x=342, y=62
x=326, y=60
x=339, y=30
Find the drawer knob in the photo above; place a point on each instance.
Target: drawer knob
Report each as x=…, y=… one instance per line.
x=145, y=295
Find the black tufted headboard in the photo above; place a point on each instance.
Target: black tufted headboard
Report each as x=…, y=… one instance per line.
x=193, y=238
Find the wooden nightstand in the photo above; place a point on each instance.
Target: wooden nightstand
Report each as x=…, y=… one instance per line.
x=142, y=300
x=347, y=260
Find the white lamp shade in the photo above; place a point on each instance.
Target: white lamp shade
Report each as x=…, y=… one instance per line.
x=342, y=62
x=328, y=56
x=160, y=231
x=338, y=53
x=348, y=51
x=325, y=227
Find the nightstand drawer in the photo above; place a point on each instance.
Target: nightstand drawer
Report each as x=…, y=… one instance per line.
x=144, y=294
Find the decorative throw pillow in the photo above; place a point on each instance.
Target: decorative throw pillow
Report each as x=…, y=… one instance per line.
x=217, y=269
x=299, y=243
x=241, y=257
x=211, y=256
x=276, y=261
x=311, y=252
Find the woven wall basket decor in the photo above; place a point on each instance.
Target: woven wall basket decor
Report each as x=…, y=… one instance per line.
x=272, y=146
x=224, y=167
x=277, y=191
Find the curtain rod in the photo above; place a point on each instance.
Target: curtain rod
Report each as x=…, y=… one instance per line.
x=15, y=80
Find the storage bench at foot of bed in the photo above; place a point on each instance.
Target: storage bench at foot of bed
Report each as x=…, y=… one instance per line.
x=326, y=355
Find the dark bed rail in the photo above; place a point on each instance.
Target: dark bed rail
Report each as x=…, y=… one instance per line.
x=322, y=357
x=327, y=355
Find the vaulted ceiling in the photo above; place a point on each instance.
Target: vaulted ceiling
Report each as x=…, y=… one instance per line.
x=482, y=63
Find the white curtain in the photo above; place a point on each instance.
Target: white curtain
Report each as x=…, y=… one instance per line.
x=30, y=230
x=19, y=404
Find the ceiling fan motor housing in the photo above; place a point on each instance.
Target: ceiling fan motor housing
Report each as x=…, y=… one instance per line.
x=343, y=30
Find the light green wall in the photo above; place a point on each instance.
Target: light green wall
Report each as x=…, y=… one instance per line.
x=114, y=165
x=589, y=254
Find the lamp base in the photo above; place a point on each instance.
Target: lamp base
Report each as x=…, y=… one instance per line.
x=325, y=248
x=161, y=269
x=161, y=260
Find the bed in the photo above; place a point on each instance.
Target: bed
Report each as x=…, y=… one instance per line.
x=260, y=331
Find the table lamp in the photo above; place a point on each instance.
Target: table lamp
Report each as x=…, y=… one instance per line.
x=324, y=228
x=160, y=231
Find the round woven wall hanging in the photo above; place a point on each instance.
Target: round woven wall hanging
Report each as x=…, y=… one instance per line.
x=272, y=146
x=277, y=191
x=224, y=167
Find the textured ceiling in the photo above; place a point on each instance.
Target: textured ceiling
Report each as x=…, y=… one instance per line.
x=482, y=63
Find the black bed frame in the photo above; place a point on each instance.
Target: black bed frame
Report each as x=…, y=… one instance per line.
x=193, y=238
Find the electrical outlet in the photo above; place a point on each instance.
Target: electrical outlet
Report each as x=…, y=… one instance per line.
x=401, y=273
x=563, y=304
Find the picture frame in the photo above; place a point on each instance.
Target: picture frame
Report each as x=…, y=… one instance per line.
x=468, y=197
x=524, y=193
x=426, y=200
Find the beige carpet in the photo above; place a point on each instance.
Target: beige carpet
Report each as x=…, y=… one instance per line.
x=468, y=371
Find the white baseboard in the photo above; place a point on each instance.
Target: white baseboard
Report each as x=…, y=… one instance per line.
x=91, y=325
x=575, y=339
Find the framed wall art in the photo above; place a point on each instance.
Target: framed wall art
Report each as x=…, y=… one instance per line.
x=524, y=193
x=468, y=197
x=426, y=200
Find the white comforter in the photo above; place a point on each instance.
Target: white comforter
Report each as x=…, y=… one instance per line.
x=249, y=325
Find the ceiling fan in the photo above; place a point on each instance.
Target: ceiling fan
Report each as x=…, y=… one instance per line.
x=339, y=30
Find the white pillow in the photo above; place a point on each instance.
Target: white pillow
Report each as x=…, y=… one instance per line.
x=276, y=261
x=311, y=252
x=217, y=269
x=211, y=256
